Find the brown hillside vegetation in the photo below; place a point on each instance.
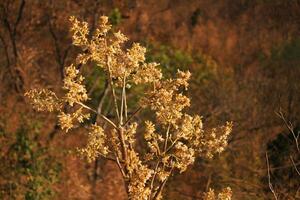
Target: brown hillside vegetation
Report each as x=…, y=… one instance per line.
x=244, y=57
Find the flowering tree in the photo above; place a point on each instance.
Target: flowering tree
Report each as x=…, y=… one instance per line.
x=173, y=139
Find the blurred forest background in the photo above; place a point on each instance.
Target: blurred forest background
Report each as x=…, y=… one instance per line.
x=244, y=56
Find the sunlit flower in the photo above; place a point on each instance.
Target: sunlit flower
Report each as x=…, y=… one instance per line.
x=76, y=91
x=44, y=100
x=96, y=144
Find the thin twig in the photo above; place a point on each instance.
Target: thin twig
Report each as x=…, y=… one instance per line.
x=120, y=166
x=121, y=129
x=171, y=146
x=133, y=115
x=122, y=140
x=153, y=179
x=161, y=187
x=298, y=172
x=112, y=88
x=290, y=127
x=102, y=97
x=101, y=115
x=122, y=101
x=125, y=107
x=269, y=177
x=167, y=138
x=109, y=158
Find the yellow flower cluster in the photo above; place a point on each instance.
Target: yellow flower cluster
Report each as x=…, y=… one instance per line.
x=106, y=50
x=130, y=132
x=152, y=138
x=225, y=194
x=76, y=94
x=67, y=120
x=162, y=175
x=44, y=100
x=205, y=143
x=80, y=32
x=184, y=156
x=149, y=73
x=215, y=141
x=166, y=101
x=96, y=145
x=138, y=174
x=191, y=129
x=76, y=91
x=136, y=55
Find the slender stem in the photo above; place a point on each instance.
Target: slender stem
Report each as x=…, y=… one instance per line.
x=122, y=140
x=102, y=98
x=120, y=129
x=171, y=146
x=122, y=101
x=99, y=114
x=290, y=127
x=167, y=138
x=109, y=158
x=112, y=88
x=298, y=172
x=269, y=177
x=134, y=114
x=153, y=179
x=120, y=166
x=161, y=187
x=125, y=102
